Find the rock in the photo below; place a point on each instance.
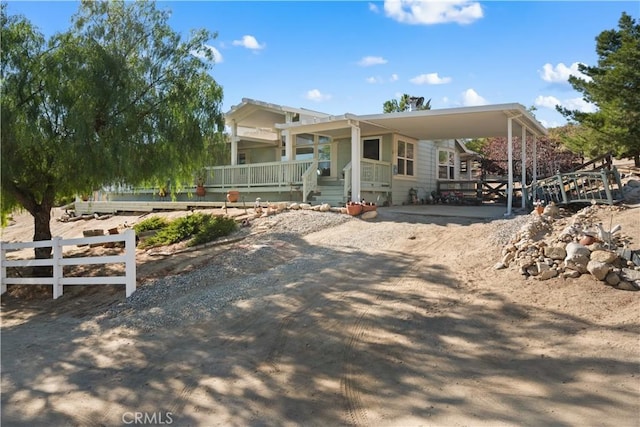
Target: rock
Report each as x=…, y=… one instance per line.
x=506, y=260
x=598, y=269
x=587, y=240
x=628, y=286
x=630, y=274
x=576, y=249
x=499, y=266
x=578, y=264
x=325, y=207
x=294, y=206
x=604, y=256
x=369, y=215
x=570, y=274
x=305, y=206
x=555, y=252
x=548, y=274
x=612, y=279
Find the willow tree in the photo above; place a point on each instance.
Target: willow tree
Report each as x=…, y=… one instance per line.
x=119, y=98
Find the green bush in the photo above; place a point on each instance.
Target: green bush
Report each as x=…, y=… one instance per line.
x=151, y=223
x=200, y=228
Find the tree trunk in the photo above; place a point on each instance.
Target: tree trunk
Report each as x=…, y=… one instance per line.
x=42, y=228
x=636, y=160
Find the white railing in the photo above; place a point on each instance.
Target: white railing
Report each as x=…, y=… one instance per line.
x=58, y=262
x=375, y=173
x=309, y=180
x=274, y=174
x=347, y=179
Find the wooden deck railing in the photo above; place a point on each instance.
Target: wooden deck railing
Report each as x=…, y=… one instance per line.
x=374, y=173
x=273, y=174
x=602, y=187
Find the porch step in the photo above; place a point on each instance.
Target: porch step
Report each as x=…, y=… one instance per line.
x=331, y=194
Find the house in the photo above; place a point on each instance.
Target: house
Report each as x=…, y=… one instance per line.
x=280, y=153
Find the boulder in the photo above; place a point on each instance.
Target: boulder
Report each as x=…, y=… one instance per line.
x=604, y=256
x=369, y=215
x=598, y=269
x=555, y=252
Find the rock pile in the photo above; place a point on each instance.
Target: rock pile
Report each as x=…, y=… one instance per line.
x=558, y=244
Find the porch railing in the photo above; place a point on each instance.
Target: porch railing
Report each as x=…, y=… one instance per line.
x=579, y=187
x=274, y=174
x=309, y=180
x=375, y=173
x=347, y=180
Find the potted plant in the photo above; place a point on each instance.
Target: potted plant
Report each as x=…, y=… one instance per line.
x=200, y=188
x=354, y=208
x=233, y=196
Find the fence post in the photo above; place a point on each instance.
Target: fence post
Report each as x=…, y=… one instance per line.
x=3, y=270
x=130, y=261
x=605, y=183
x=560, y=179
x=57, y=267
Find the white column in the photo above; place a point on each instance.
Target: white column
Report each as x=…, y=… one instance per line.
x=524, y=164
x=510, y=165
x=234, y=143
x=288, y=141
x=534, y=177
x=356, y=156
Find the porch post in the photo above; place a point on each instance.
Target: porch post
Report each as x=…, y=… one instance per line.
x=524, y=165
x=234, y=143
x=356, y=155
x=510, y=165
x=288, y=144
x=534, y=176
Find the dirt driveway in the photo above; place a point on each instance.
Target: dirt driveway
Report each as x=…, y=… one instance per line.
x=401, y=321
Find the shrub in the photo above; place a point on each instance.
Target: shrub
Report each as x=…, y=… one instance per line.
x=201, y=228
x=151, y=223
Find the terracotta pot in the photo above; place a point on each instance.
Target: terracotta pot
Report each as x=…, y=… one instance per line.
x=354, y=209
x=201, y=191
x=540, y=209
x=587, y=240
x=232, y=196
x=369, y=207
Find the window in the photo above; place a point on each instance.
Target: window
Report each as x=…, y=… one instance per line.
x=406, y=158
x=371, y=148
x=446, y=164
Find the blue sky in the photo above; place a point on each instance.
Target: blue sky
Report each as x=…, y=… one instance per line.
x=350, y=57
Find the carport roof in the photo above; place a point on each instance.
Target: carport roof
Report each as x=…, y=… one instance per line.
x=447, y=123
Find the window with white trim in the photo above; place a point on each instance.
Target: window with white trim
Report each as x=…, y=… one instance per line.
x=405, y=160
x=446, y=164
x=371, y=148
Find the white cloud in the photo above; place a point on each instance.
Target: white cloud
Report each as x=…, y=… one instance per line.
x=368, y=61
x=560, y=73
x=547, y=102
x=420, y=12
x=217, y=56
x=374, y=80
x=580, y=105
x=572, y=104
x=471, y=98
x=394, y=77
x=317, y=96
x=249, y=42
x=373, y=7
x=430, y=79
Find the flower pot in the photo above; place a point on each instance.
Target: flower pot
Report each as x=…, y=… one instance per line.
x=354, y=209
x=232, y=196
x=367, y=207
x=540, y=209
x=201, y=191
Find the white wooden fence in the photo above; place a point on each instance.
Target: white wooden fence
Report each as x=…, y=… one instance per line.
x=58, y=262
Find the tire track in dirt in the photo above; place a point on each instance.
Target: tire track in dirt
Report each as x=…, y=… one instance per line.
x=356, y=410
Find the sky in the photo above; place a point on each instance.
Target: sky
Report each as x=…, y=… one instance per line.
x=342, y=57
